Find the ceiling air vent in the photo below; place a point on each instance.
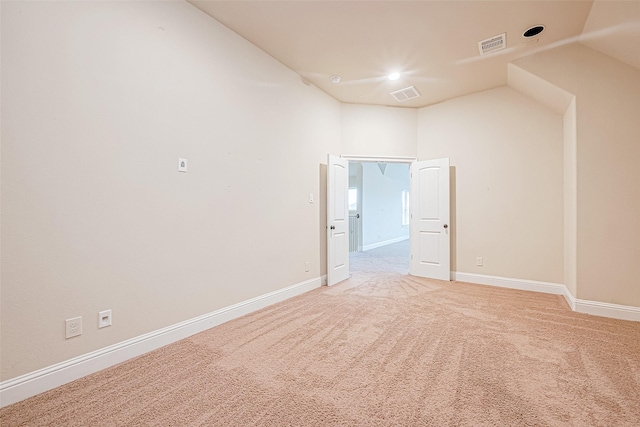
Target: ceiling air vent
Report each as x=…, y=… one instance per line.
x=492, y=44
x=405, y=94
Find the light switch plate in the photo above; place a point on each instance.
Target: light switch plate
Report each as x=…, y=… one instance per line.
x=182, y=165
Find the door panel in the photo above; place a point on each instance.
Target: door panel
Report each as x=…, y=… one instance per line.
x=429, y=252
x=430, y=232
x=429, y=178
x=338, y=220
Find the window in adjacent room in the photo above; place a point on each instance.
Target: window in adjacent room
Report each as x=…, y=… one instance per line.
x=353, y=199
x=405, y=207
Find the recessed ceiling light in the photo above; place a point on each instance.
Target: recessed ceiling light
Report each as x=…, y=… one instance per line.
x=533, y=31
x=335, y=79
x=394, y=76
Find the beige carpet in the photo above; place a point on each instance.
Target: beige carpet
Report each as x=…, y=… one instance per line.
x=389, y=258
x=382, y=349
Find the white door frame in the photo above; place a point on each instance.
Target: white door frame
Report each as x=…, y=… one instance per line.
x=374, y=159
x=364, y=158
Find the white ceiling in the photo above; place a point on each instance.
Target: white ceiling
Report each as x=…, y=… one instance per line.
x=434, y=44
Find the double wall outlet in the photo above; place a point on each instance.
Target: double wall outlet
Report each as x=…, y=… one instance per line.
x=73, y=327
x=479, y=261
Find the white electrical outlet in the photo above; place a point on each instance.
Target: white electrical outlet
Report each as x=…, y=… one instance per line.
x=479, y=261
x=104, y=319
x=306, y=266
x=310, y=197
x=73, y=327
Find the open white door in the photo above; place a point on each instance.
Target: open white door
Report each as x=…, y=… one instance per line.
x=338, y=220
x=430, y=231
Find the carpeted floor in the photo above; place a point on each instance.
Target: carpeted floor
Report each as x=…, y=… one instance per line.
x=381, y=349
x=389, y=258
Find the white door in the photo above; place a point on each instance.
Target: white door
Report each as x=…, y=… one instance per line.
x=338, y=220
x=429, y=225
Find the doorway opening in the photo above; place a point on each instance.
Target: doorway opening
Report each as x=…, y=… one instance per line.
x=430, y=239
x=379, y=216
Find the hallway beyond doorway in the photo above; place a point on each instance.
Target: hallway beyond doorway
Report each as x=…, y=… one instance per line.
x=388, y=258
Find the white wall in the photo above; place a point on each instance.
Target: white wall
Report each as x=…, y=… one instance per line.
x=607, y=99
x=562, y=102
x=99, y=99
x=507, y=171
x=570, y=162
x=382, y=203
x=612, y=28
x=371, y=130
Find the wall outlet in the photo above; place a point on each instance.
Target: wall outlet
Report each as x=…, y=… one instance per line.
x=73, y=327
x=479, y=261
x=104, y=319
x=306, y=266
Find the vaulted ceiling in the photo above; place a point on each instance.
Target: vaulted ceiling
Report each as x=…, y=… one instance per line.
x=432, y=44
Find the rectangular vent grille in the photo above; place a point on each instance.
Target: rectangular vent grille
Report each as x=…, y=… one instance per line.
x=405, y=94
x=492, y=44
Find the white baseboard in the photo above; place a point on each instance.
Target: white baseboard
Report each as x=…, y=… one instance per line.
x=614, y=311
x=39, y=381
x=384, y=243
x=506, y=282
x=569, y=298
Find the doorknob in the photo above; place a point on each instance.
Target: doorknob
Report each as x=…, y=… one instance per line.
x=446, y=226
x=333, y=227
